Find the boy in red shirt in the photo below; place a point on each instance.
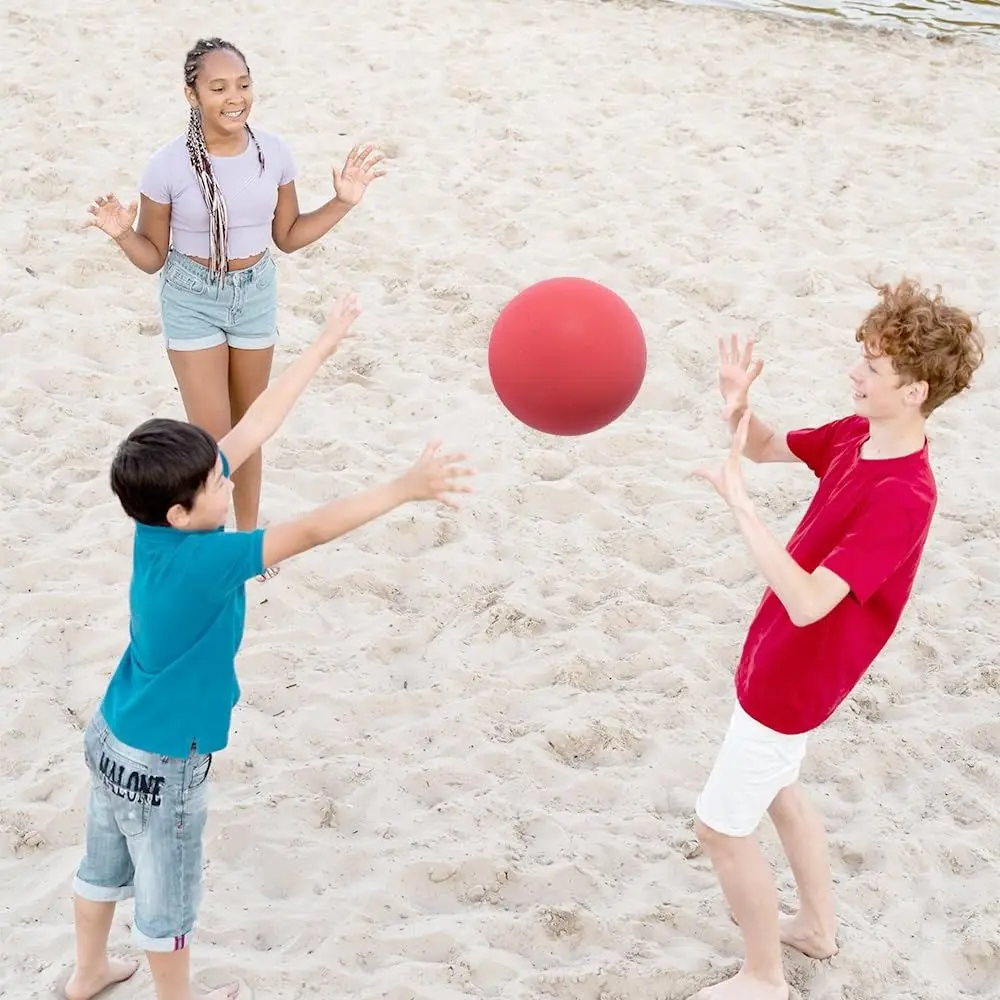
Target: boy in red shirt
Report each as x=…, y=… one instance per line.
x=833, y=600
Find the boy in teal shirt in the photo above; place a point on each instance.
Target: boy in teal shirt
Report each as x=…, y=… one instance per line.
x=168, y=706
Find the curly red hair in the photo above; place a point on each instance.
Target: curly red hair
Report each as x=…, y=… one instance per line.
x=926, y=339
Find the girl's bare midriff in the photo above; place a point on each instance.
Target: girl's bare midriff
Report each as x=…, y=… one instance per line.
x=235, y=263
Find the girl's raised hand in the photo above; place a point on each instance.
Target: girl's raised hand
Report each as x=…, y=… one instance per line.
x=111, y=216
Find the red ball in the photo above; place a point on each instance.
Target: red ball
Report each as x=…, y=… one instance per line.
x=567, y=356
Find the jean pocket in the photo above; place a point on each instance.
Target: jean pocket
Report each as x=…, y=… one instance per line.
x=266, y=276
x=133, y=784
x=200, y=766
x=183, y=280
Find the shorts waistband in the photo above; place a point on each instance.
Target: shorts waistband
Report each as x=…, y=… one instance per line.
x=244, y=276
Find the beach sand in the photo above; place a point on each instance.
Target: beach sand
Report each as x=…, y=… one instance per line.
x=469, y=746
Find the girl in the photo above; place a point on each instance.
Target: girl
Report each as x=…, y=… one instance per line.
x=211, y=202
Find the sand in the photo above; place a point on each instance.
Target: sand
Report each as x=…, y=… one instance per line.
x=469, y=748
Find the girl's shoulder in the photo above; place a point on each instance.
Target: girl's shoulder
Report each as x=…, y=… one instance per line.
x=172, y=151
x=160, y=175
x=269, y=140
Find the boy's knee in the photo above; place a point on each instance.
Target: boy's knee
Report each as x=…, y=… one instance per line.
x=710, y=839
x=787, y=803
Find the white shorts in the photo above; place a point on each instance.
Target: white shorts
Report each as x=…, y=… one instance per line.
x=753, y=765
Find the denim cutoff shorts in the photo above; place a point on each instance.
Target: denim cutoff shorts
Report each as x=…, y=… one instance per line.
x=198, y=312
x=145, y=821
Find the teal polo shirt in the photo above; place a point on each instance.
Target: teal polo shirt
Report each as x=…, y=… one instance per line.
x=175, y=686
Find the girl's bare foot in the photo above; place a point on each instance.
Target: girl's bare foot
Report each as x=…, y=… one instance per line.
x=743, y=987
x=803, y=938
x=230, y=992
x=811, y=942
x=85, y=987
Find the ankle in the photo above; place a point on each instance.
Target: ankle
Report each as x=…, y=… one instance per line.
x=816, y=924
x=769, y=974
x=89, y=966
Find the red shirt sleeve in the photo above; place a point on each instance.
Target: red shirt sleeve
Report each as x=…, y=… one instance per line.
x=889, y=528
x=816, y=445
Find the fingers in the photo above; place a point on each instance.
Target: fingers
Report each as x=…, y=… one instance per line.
x=430, y=449
x=734, y=355
x=344, y=311
x=442, y=491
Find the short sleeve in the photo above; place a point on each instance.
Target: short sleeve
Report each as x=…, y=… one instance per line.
x=891, y=526
x=155, y=180
x=227, y=559
x=816, y=446
x=287, y=164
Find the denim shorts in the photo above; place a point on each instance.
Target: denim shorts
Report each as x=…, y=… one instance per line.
x=198, y=313
x=145, y=821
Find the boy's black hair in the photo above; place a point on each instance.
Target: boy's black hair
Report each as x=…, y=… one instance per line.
x=162, y=463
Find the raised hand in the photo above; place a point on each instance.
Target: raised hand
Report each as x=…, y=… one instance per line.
x=435, y=477
x=359, y=171
x=727, y=479
x=737, y=372
x=111, y=216
x=338, y=322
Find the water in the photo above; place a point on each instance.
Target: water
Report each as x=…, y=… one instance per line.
x=941, y=17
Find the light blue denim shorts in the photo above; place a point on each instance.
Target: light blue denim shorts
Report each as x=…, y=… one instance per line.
x=197, y=312
x=145, y=821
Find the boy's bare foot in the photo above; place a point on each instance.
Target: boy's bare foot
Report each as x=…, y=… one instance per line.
x=79, y=987
x=805, y=939
x=743, y=987
x=230, y=992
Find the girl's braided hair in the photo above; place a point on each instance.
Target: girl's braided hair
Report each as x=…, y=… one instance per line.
x=218, y=220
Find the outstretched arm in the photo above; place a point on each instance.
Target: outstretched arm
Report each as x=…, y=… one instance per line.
x=145, y=245
x=807, y=597
x=737, y=372
x=292, y=230
x=433, y=477
x=764, y=443
x=268, y=411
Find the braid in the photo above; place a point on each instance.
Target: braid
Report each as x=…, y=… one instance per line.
x=218, y=218
x=260, y=152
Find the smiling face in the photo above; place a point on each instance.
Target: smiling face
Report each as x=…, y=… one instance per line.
x=879, y=392
x=223, y=92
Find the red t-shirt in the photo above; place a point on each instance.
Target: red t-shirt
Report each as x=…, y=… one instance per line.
x=867, y=523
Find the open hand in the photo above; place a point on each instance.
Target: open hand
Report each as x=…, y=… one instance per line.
x=737, y=371
x=359, y=171
x=435, y=476
x=728, y=477
x=338, y=322
x=111, y=216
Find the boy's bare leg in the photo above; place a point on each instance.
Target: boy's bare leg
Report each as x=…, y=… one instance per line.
x=94, y=971
x=749, y=889
x=813, y=930
x=172, y=978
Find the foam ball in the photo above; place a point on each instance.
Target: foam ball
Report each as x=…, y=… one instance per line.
x=567, y=356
